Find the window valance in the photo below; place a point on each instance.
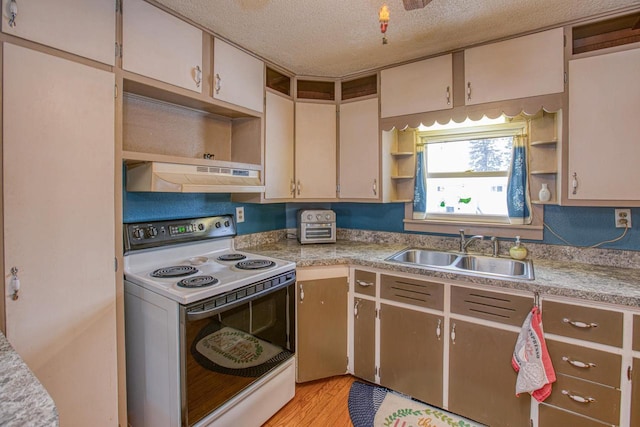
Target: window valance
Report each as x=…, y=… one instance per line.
x=529, y=106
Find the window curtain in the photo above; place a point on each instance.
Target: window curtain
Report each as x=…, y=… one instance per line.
x=518, y=201
x=419, y=192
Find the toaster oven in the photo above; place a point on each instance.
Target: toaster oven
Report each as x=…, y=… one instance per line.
x=316, y=226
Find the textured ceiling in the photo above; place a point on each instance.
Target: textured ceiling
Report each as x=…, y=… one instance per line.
x=336, y=38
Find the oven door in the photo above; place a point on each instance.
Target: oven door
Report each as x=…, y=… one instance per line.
x=231, y=341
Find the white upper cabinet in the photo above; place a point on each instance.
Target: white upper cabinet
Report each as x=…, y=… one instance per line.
x=238, y=77
x=604, y=101
x=417, y=87
x=161, y=46
x=359, y=150
x=278, y=151
x=315, y=155
x=83, y=27
x=518, y=68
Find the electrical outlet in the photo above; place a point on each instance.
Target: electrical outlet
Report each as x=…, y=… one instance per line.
x=240, y=214
x=623, y=218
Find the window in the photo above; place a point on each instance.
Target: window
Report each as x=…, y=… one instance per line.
x=470, y=174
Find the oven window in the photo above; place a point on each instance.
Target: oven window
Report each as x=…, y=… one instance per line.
x=227, y=352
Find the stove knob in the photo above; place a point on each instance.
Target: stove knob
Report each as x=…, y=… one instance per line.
x=151, y=231
x=319, y=217
x=138, y=233
x=309, y=217
x=226, y=223
x=200, y=227
x=328, y=217
x=218, y=225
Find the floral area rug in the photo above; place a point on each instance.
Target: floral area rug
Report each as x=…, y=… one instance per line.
x=373, y=406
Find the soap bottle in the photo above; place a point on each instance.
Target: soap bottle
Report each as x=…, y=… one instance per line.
x=518, y=251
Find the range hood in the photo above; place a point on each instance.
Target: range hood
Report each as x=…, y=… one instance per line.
x=181, y=178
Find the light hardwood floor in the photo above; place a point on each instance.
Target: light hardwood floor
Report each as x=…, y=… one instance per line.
x=317, y=403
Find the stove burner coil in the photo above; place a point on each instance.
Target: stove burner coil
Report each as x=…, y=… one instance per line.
x=231, y=257
x=197, y=282
x=174, y=271
x=255, y=264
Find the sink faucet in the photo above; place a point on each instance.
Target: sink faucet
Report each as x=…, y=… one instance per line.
x=495, y=246
x=464, y=242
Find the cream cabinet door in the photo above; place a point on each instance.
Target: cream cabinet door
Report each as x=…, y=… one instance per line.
x=359, y=150
x=417, y=87
x=278, y=152
x=83, y=27
x=518, y=68
x=158, y=45
x=238, y=76
x=315, y=145
x=58, y=195
x=604, y=100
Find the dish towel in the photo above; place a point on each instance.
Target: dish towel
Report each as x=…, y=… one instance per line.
x=531, y=359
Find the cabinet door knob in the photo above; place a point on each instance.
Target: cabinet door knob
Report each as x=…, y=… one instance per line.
x=375, y=187
x=438, y=329
x=355, y=308
x=578, y=363
x=579, y=324
x=218, y=83
x=198, y=76
x=574, y=183
x=15, y=283
x=301, y=293
x=13, y=13
x=453, y=333
x=468, y=91
x=448, y=95
x=298, y=187
x=364, y=284
x=577, y=398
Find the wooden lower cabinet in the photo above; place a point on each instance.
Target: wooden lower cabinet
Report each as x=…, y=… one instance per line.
x=635, y=393
x=549, y=416
x=364, y=339
x=411, y=352
x=481, y=379
x=322, y=328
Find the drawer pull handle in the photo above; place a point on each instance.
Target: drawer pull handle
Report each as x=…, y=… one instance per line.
x=579, y=324
x=364, y=284
x=577, y=398
x=578, y=364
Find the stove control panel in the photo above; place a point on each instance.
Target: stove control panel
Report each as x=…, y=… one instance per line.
x=161, y=233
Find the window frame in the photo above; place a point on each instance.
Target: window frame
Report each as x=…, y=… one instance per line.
x=448, y=224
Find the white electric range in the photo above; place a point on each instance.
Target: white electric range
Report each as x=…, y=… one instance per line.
x=199, y=316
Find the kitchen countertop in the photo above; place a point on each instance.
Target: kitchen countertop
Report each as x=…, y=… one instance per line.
x=23, y=399
x=615, y=285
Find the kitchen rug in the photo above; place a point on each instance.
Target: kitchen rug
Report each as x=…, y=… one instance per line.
x=230, y=351
x=374, y=406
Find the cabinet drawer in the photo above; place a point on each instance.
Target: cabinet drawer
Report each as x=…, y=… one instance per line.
x=365, y=282
x=636, y=332
x=587, y=363
x=502, y=308
x=412, y=291
x=600, y=402
x=585, y=323
x=550, y=416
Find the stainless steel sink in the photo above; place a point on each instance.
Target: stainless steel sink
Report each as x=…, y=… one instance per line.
x=424, y=257
x=463, y=263
x=504, y=267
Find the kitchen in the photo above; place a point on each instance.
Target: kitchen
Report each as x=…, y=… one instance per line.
x=272, y=219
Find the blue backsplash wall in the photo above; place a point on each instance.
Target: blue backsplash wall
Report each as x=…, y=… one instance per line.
x=580, y=226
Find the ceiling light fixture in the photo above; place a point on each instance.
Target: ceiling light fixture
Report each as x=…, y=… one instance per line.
x=383, y=16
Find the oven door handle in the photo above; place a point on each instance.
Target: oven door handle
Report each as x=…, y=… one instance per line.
x=202, y=313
